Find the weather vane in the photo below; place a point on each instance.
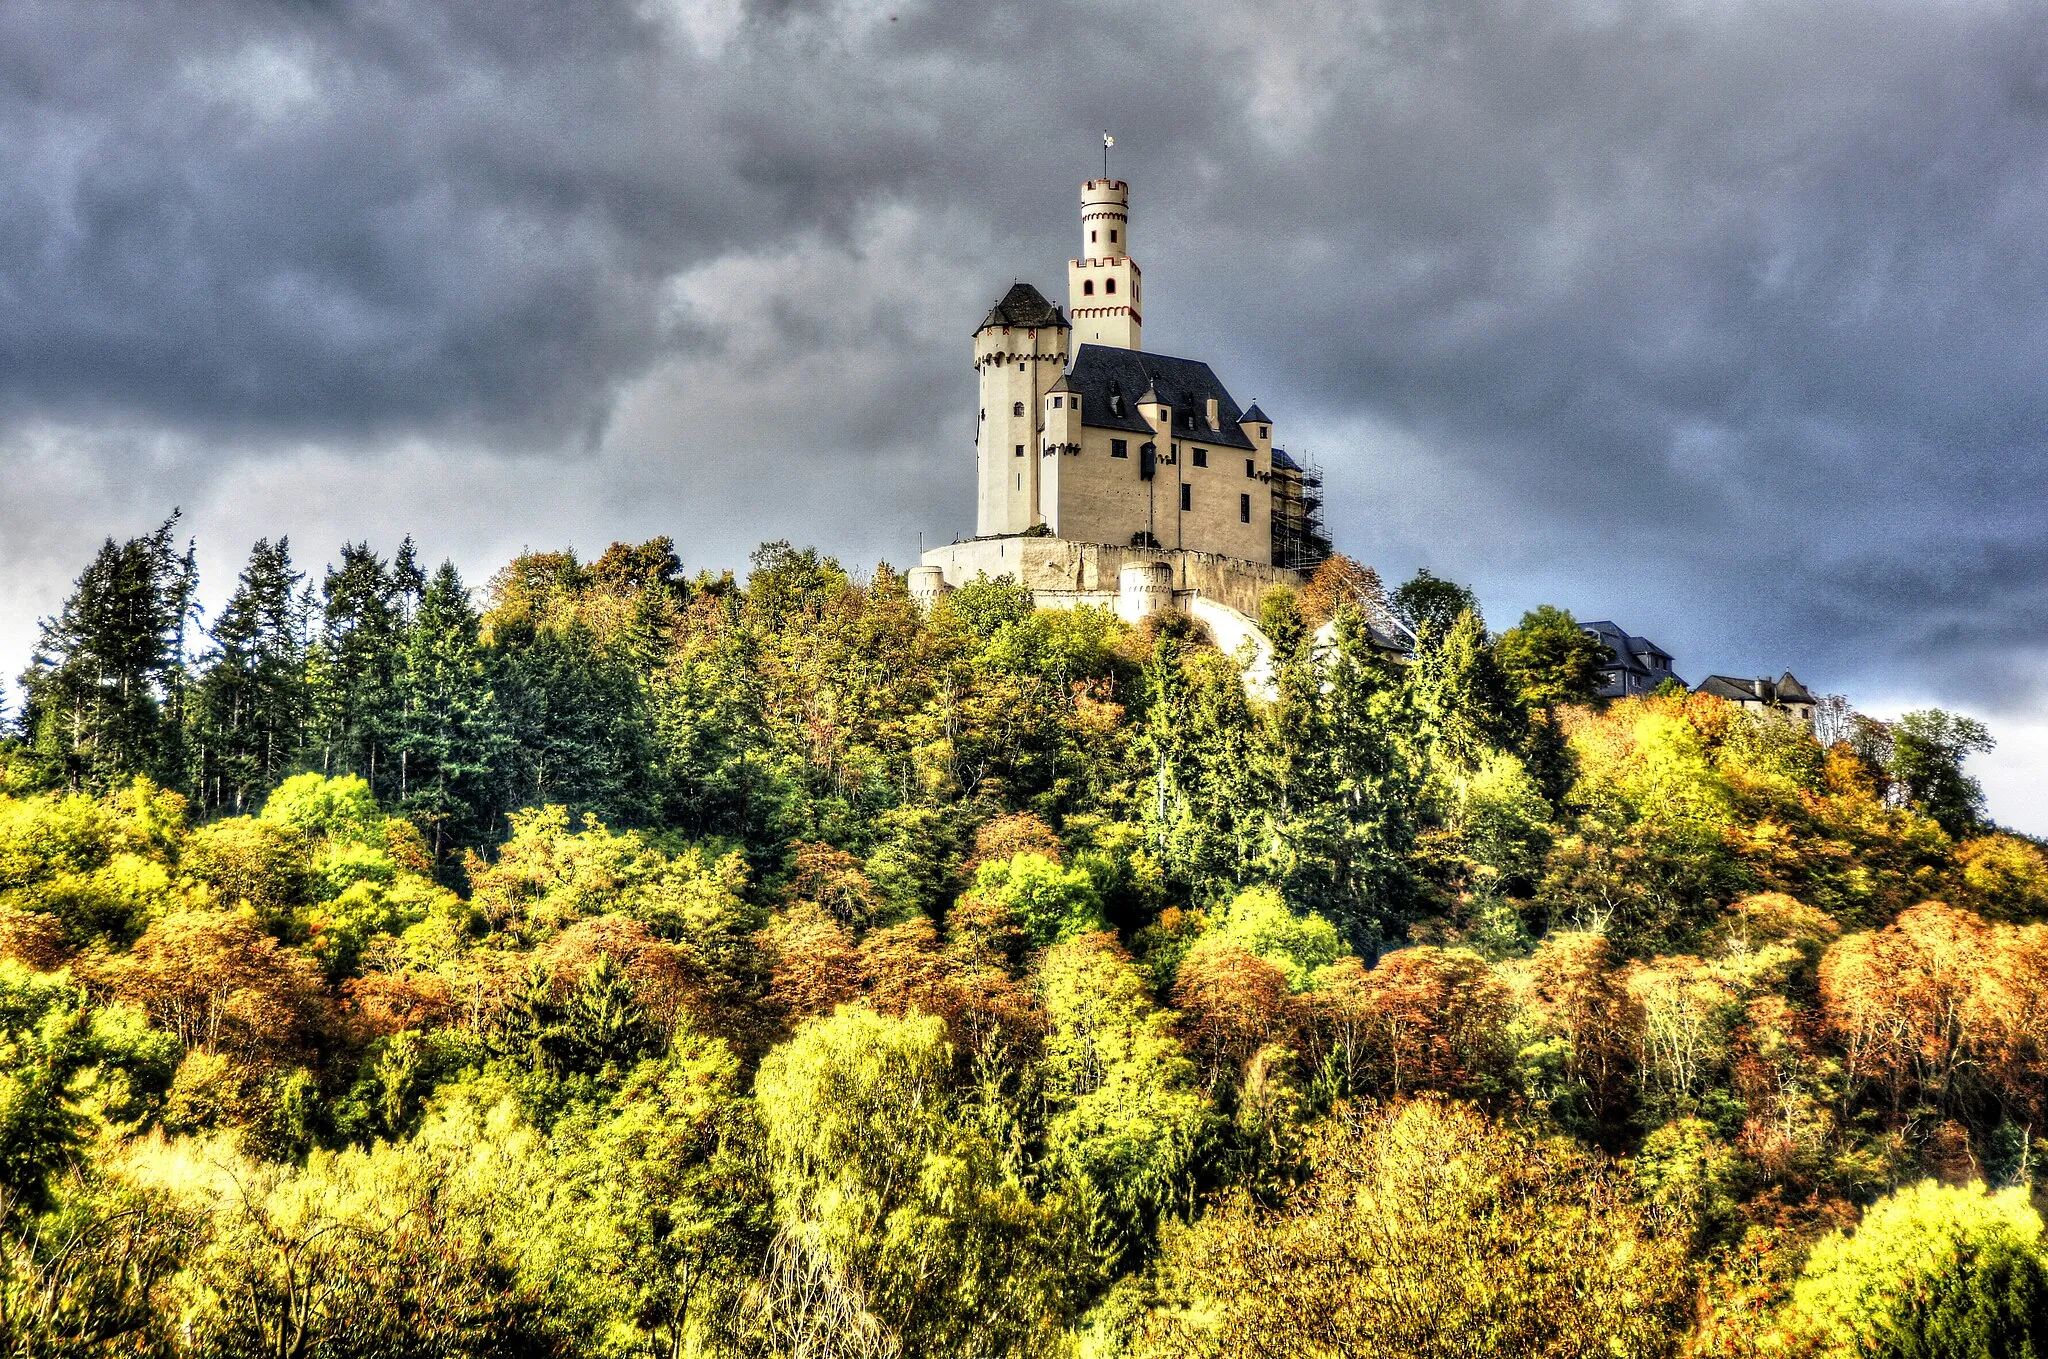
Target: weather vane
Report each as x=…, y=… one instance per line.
x=1107, y=142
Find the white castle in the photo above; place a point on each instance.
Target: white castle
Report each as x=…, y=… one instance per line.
x=1111, y=476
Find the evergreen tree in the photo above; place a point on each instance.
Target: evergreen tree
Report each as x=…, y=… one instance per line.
x=106, y=685
x=352, y=672
x=249, y=708
x=1465, y=701
x=447, y=740
x=1336, y=761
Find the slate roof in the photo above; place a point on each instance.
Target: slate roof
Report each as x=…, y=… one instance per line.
x=1628, y=673
x=1734, y=688
x=1025, y=306
x=1100, y=373
x=1284, y=462
x=1254, y=416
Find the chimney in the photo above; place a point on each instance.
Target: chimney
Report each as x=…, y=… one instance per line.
x=1212, y=412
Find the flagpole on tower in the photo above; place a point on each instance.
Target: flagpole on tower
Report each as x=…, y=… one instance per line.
x=1107, y=142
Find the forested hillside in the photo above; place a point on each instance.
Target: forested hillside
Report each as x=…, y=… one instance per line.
x=610, y=962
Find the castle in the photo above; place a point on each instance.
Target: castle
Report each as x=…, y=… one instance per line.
x=1109, y=475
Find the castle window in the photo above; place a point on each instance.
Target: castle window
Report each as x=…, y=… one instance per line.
x=1201, y=457
x=1119, y=448
x=984, y=412
x=1251, y=469
x=1244, y=509
x=1109, y=285
x=1265, y=431
x=1088, y=287
x=1059, y=402
x=1091, y=237
x=1016, y=408
x=1020, y=450
x=1187, y=496
x=1112, y=235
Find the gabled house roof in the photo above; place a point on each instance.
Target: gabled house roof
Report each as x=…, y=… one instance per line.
x=1765, y=690
x=1628, y=648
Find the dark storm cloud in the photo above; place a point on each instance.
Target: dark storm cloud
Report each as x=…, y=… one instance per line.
x=1723, y=318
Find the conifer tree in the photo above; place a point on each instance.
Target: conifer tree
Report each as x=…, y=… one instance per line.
x=249, y=709
x=351, y=675
x=106, y=685
x=447, y=741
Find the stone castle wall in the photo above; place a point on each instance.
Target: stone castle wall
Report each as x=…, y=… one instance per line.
x=1058, y=567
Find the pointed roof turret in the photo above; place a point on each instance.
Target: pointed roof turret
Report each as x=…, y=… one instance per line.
x=1025, y=306
x=1254, y=416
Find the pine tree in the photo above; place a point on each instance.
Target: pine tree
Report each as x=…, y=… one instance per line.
x=106, y=685
x=351, y=675
x=447, y=738
x=248, y=715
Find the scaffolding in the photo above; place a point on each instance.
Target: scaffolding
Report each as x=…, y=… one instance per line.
x=1299, y=540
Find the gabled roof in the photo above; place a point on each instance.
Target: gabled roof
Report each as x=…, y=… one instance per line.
x=1766, y=690
x=1730, y=687
x=1025, y=306
x=1254, y=416
x=1184, y=384
x=1628, y=648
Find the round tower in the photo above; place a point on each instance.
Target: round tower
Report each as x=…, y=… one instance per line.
x=927, y=584
x=1105, y=287
x=1143, y=589
x=1105, y=219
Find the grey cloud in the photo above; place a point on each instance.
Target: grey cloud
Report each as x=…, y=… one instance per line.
x=1724, y=320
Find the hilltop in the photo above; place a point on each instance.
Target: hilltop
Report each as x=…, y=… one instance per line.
x=617, y=962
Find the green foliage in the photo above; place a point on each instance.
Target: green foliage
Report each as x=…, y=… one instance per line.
x=1258, y=921
x=1126, y=1120
x=1931, y=1270
x=1428, y=602
x=1550, y=659
x=628, y=964
x=1928, y=750
x=107, y=685
x=1050, y=902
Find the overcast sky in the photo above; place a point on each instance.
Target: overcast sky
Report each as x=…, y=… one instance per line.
x=1724, y=320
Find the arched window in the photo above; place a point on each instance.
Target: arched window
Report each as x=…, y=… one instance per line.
x=1017, y=408
x=1109, y=285
x=1088, y=287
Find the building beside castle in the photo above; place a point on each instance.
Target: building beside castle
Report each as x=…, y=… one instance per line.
x=1108, y=474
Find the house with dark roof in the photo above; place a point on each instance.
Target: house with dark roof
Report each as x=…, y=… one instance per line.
x=1638, y=665
x=1784, y=694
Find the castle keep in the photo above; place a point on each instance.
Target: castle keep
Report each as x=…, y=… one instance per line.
x=1106, y=474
